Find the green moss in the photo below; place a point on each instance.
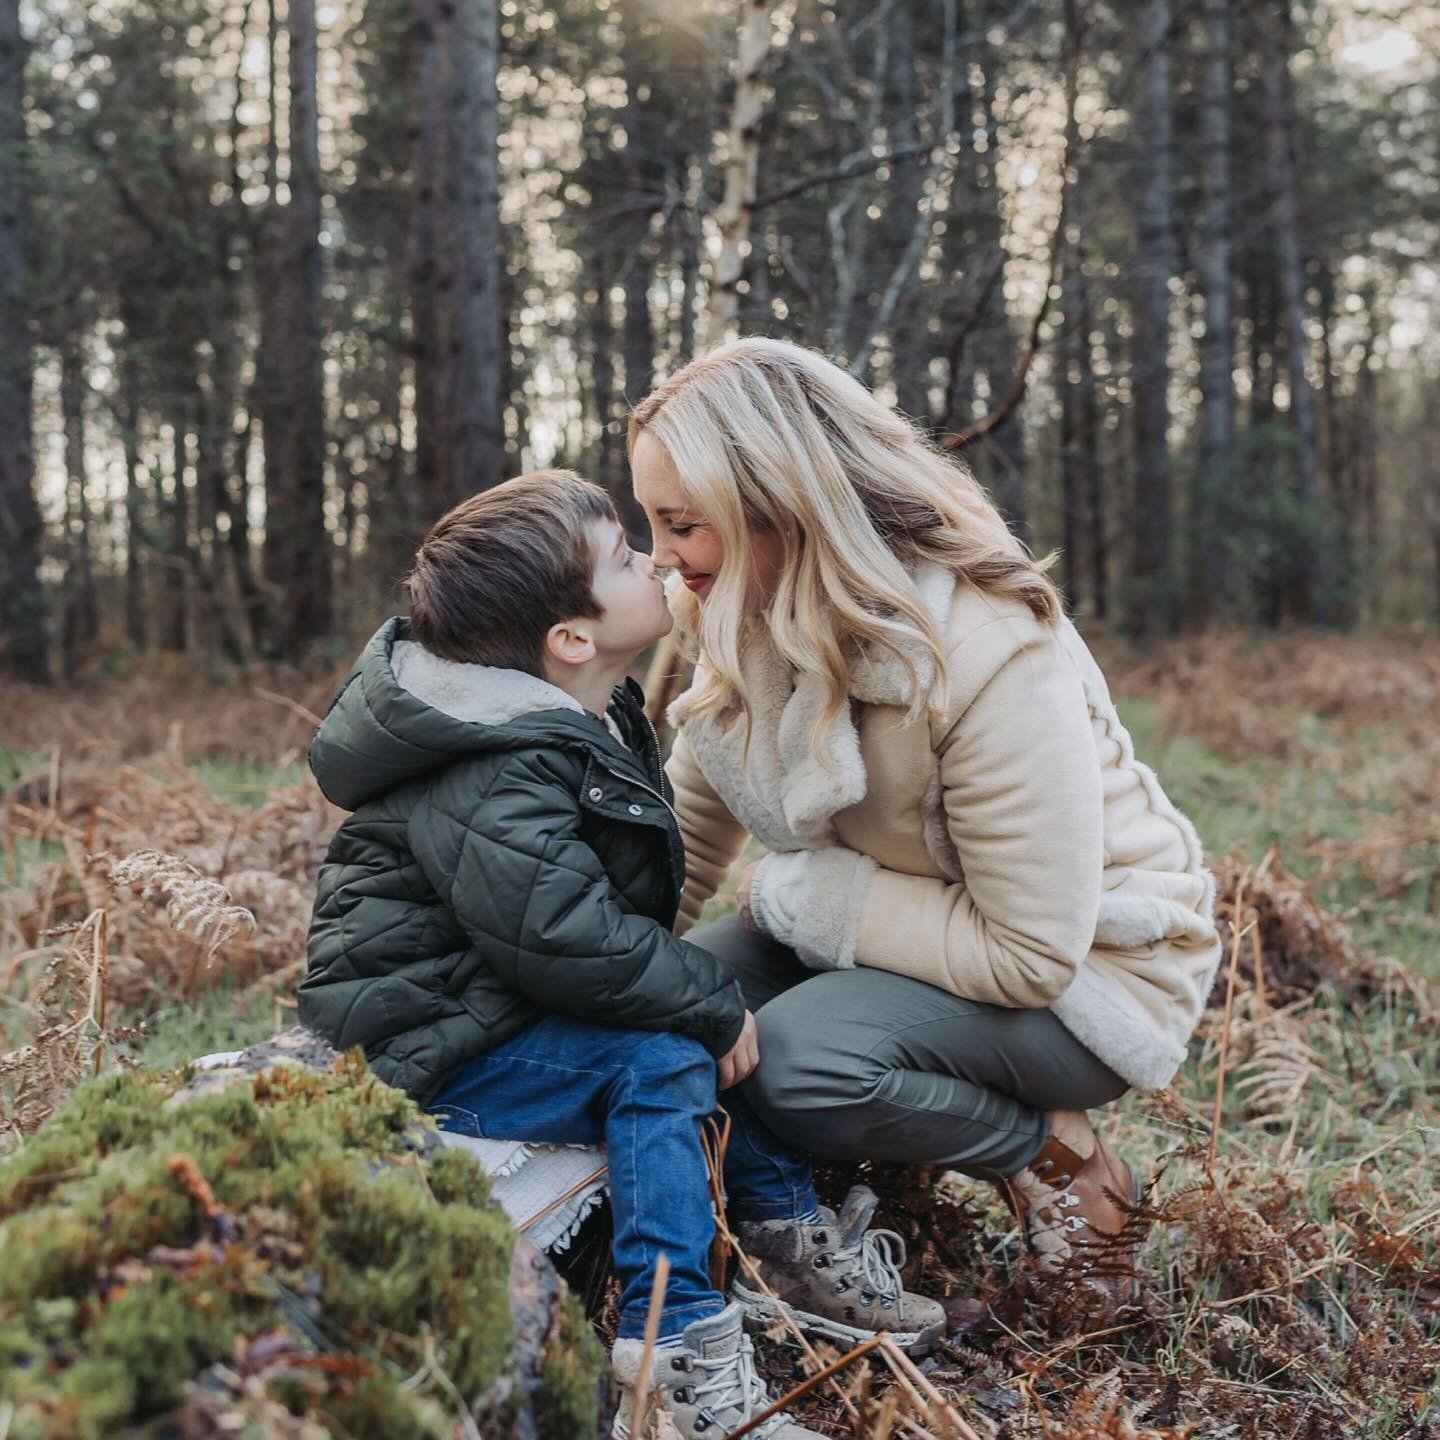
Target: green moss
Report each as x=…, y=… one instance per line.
x=378, y=1409
x=340, y=1232
x=457, y=1179
x=162, y=1333
x=99, y=1393
x=569, y=1403
x=114, y=1113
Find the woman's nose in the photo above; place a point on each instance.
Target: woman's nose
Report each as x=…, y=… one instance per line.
x=662, y=557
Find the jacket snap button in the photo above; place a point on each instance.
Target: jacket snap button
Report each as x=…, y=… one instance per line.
x=597, y=793
x=636, y=810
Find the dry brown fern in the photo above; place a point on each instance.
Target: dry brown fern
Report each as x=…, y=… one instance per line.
x=192, y=901
x=71, y=1036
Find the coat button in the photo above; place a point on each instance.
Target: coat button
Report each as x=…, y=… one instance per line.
x=597, y=793
x=636, y=810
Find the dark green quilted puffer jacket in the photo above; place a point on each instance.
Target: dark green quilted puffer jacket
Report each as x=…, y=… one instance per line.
x=507, y=856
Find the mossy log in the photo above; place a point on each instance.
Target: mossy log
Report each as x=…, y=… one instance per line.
x=276, y=1250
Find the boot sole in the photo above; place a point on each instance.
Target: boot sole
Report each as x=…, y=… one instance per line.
x=760, y=1311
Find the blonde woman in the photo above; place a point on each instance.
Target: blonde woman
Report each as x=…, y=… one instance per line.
x=981, y=917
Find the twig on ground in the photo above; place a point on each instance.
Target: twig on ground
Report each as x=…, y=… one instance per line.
x=908, y=1373
x=806, y=1385
x=1238, y=932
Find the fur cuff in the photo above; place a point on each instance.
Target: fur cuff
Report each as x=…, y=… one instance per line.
x=812, y=901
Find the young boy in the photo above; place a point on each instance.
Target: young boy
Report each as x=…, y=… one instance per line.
x=493, y=926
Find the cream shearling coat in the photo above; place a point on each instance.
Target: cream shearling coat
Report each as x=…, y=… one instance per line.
x=1013, y=852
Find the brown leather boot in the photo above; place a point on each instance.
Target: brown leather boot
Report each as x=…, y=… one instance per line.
x=1077, y=1215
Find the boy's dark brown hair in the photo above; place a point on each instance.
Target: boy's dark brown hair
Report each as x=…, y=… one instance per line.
x=497, y=571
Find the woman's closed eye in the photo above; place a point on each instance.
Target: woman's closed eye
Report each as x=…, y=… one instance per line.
x=681, y=531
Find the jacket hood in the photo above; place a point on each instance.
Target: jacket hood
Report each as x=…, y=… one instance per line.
x=404, y=712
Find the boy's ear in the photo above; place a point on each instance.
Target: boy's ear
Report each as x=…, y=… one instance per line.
x=571, y=642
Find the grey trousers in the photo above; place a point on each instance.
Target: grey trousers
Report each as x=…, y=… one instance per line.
x=866, y=1065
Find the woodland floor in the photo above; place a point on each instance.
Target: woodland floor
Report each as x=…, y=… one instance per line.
x=1292, y=1269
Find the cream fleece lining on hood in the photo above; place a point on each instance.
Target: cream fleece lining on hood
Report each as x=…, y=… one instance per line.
x=479, y=694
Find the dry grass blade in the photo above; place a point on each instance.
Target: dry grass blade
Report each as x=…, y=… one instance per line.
x=639, y=1415
x=912, y=1378
x=825, y=1373
x=715, y=1141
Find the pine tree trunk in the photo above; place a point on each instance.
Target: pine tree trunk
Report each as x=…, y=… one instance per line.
x=476, y=430
x=1262, y=358
x=997, y=353
x=226, y=455
x=175, y=628
x=1085, y=445
x=1366, y=446
x=307, y=585
x=1283, y=186
x=909, y=358
x=1333, y=458
x=1149, y=610
x=272, y=357
x=80, y=619
x=22, y=601
x=601, y=339
x=688, y=245
x=644, y=177
x=1070, y=486
x=135, y=549
x=213, y=463
x=427, y=329
x=1207, y=528
x=1091, y=471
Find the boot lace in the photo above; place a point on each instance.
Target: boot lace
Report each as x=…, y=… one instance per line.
x=732, y=1384
x=1049, y=1228
x=880, y=1254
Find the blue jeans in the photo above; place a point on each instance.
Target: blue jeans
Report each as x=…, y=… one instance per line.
x=644, y=1096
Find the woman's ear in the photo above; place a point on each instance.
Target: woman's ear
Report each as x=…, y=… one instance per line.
x=571, y=643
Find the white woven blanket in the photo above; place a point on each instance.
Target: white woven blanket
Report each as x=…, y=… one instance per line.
x=546, y=1190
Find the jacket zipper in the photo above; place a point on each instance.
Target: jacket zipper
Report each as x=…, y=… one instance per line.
x=629, y=780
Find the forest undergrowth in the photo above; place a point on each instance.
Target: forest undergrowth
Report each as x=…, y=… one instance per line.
x=158, y=844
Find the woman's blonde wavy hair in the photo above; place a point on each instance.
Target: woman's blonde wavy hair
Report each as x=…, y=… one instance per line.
x=767, y=435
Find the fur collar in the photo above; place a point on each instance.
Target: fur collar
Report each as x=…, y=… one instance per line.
x=481, y=694
x=782, y=792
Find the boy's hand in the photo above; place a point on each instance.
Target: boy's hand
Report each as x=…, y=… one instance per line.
x=744, y=1056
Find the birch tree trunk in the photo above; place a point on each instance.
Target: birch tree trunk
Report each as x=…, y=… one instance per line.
x=742, y=165
x=22, y=601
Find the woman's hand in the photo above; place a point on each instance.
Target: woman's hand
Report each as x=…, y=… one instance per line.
x=743, y=1057
x=742, y=898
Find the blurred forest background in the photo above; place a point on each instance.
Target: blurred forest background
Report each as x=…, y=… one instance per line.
x=280, y=280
